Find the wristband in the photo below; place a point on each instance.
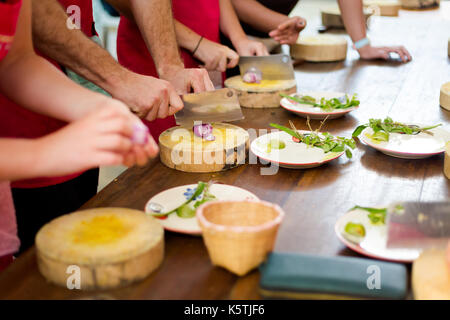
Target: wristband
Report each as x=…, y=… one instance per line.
x=198, y=44
x=361, y=43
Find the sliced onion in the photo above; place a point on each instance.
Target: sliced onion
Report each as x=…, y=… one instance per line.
x=252, y=75
x=204, y=131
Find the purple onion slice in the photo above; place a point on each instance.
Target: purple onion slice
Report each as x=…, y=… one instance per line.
x=204, y=131
x=252, y=75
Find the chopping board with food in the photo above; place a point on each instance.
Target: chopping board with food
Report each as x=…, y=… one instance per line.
x=262, y=80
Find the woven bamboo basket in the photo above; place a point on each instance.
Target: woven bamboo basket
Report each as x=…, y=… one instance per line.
x=239, y=234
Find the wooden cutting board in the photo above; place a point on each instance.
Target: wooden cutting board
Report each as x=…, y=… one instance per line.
x=431, y=276
x=320, y=48
x=444, y=98
x=263, y=95
x=102, y=248
x=182, y=150
x=388, y=8
x=331, y=17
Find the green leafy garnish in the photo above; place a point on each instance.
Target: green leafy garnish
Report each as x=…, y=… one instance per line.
x=376, y=215
x=322, y=140
x=325, y=104
x=185, y=210
x=382, y=128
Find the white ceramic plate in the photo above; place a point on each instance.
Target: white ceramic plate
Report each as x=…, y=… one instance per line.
x=408, y=146
x=294, y=155
x=172, y=198
x=374, y=243
x=315, y=113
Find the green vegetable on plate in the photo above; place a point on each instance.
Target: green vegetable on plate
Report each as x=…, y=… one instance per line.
x=324, y=140
x=356, y=231
x=187, y=210
x=325, y=104
x=382, y=128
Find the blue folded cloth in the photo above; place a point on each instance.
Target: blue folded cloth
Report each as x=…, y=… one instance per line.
x=301, y=276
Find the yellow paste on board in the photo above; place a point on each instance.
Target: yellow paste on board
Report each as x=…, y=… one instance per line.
x=100, y=230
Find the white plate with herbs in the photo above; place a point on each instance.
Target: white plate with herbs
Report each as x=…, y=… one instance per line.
x=181, y=218
x=364, y=230
x=320, y=105
x=281, y=149
x=400, y=140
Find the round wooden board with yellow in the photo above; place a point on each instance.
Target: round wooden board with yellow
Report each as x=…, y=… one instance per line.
x=184, y=151
x=111, y=247
x=265, y=94
x=320, y=48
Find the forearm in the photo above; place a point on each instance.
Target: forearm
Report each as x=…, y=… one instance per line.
x=45, y=89
x=72, y=48
x=18, y=159
x=258, y=16
x=155, y=22
x=186, y=38
x=353, y=18
x=229, y=22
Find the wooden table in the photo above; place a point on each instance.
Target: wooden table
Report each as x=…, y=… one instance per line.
x=313, y=199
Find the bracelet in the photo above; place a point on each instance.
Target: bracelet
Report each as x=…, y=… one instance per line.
x=361, y=43
x=198, y=44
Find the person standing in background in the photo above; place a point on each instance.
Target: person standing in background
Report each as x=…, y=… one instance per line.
x=269, y=19
x=196, y=27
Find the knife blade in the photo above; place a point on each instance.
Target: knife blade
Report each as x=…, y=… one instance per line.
x=418, y=225
x=272, y=67
x=211, y=106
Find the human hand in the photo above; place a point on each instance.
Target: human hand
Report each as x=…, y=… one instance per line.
x=287, y=32
x=102, y=138
x=371, y=53
x=216, y=56
x=148, y=97
x=247, y=47
x=188, y=80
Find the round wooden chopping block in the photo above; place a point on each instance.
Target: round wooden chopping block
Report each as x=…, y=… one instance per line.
x=261, y=95
x=447, y=160
x=444, y=98
x=320, y=48
x=420, y=4
x=183, y=151
x=388, y=8
x=331, y=17
x=431, y=276
x=101, y=248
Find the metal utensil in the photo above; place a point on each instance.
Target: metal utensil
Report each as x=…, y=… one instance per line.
x=212, y=106
x=272, y=67
x=418, y=225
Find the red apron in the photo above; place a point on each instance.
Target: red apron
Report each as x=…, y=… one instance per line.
x=18, y=122
x=9, y=242
x=202, y=16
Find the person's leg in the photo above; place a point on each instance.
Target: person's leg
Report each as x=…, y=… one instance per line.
x=36, y=207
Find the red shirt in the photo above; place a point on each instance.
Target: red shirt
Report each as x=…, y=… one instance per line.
x=9, y=242
x=202, y=16
x=18, y=122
